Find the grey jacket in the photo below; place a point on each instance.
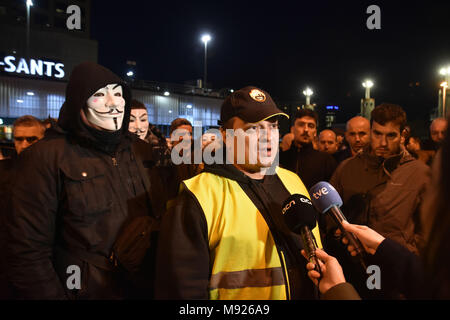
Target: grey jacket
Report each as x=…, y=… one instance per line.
x=384, y=194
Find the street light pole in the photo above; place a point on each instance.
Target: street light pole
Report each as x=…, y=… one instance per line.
x=367, y=104
x=29, y=4
x=308, y=93
x=368, y=84
x=444, y=86
x=446, y=73
x=205, y=39
x=205, y=70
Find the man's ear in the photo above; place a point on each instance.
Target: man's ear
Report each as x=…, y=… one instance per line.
x=292, y=129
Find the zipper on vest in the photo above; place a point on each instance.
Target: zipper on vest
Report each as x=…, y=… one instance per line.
x=114, y=161
x=286, y=276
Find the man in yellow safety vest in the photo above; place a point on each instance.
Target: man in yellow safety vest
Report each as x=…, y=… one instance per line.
x=225, y=237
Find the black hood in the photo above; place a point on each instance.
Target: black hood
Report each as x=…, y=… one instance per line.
x=85, y=80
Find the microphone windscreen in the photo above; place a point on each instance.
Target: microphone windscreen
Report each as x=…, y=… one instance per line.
x=298, y=211
x=324, y=196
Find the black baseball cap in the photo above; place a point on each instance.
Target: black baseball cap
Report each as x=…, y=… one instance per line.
x=251, y=104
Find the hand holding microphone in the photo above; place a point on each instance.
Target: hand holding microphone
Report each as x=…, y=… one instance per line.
x=369, y=238
x=328, y=201
x=301, y=217
x=331, y=271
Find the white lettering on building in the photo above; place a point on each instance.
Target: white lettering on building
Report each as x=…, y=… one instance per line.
x=33, y=67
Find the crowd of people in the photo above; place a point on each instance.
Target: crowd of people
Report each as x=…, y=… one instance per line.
x=94, y=207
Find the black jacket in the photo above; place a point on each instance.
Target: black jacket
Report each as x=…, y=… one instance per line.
x=342, y=155
x=312, y=166
x=6, y=167
x=183, y=257
x=73, y=193
x=402, y=271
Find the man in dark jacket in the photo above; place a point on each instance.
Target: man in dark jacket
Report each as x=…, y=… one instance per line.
x=225, y=237
x=382, y=187
x=311, y=165
x=27, y=131
x=357, y=136
x=74, y=192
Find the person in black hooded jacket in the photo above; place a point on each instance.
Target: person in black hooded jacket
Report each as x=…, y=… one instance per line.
x=74, y=191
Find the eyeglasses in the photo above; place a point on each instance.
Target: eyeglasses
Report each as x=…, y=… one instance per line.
x=29, y=139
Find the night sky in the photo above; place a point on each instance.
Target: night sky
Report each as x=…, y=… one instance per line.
x=284, y=46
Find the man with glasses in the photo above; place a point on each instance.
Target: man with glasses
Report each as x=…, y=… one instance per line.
x=27, y=131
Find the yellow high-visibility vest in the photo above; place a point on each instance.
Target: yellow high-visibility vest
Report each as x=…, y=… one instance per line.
x=245, y=262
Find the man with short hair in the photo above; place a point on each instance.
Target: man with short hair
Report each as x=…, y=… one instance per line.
x=225, y=238
x=180, y=129
x=328, y=142
x=27, y=130
x=182, y=147
x=389, y=176
x=438, y=131
x=357, y=135
x=312, y=166
x=382, y=187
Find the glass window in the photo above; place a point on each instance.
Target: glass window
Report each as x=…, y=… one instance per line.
x=54, y=104
x=24, y=105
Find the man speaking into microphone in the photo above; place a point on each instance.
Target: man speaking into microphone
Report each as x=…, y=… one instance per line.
x=225, y=238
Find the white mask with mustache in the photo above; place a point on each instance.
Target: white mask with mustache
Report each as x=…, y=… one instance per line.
x=106, y=107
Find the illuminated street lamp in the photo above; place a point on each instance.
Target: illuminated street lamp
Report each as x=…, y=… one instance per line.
x=308, y=93
x=367, y=104
x=205, y=38
x=445, y=71
x=368, y=84
x=29, y=4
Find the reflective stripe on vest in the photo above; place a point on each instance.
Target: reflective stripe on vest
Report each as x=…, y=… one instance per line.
x=245, y=260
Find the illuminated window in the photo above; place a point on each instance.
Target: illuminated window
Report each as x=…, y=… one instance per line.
x=24, y=105
x=54, y=104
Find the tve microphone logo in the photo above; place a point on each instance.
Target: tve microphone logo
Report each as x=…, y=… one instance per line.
x=321, y=192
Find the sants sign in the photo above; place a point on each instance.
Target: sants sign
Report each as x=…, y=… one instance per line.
x=32, y=67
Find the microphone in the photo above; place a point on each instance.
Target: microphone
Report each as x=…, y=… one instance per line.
x=328, y=201
x=300, y=217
